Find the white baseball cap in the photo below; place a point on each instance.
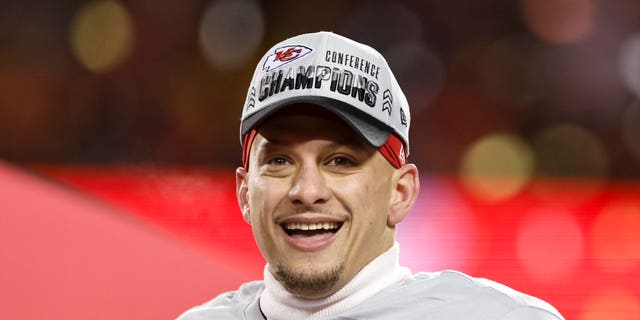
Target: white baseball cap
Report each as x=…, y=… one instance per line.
x=348, y=78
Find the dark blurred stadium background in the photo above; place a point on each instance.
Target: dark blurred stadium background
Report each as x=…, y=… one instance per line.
x=525, y=124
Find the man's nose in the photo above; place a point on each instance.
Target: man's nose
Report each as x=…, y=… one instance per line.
x=309, y=187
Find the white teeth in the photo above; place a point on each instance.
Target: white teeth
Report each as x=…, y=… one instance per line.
x=312, y=226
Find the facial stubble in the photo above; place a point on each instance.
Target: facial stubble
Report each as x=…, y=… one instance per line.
x=311, y=284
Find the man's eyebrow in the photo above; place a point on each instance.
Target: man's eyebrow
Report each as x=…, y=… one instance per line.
x=265, y=146
x=275, y=143
x=349, y=143
x=272, y=142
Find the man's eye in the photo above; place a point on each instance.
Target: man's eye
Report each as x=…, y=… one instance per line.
x=341, y=161
x=277, y=161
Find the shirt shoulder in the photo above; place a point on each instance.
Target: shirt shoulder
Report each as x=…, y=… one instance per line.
x=453, y=295
x=489, y=297
x=240, y=304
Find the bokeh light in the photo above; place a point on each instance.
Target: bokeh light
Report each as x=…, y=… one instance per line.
x=382, y=24
x=573, y=85
x=398, y=37
x=629, y=63
x=159, y=84
x=231, y=32
x=611, y=304
x=25, y=111
x=439, y=227
x=506, y=69
x=410, y=62
x=101, y=35
x=615, y=237
x=496, y=167
x=570, y=151
x=630, y=129
x=559, y=21
x=550, y=244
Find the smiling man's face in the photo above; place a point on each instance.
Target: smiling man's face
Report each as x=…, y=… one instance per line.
x=317, y=198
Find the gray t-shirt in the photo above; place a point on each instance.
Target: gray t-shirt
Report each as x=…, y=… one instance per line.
x=447, y=295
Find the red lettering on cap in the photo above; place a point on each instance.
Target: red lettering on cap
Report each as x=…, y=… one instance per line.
x=284, y=55
x=287, y=55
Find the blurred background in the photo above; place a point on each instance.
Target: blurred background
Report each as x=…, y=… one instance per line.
x=119, y=134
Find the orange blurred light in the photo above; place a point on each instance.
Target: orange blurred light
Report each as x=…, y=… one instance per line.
x=615, y=238
x=559, y=21
x=496, y=167
x=101, y=35
x=611, y=304
x=569, y=150
x=550, y=244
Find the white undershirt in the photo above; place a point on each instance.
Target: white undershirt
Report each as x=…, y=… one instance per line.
x=279, y=304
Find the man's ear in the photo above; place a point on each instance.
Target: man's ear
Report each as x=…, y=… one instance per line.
x=404, y=193
x=242, y=185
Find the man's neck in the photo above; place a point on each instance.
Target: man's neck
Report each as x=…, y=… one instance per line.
x=278, y=303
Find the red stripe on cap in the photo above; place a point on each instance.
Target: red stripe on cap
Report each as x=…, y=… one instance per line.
x=247, y=141
x=392, y=150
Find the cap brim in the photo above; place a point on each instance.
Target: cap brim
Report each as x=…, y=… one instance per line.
x=369, y=128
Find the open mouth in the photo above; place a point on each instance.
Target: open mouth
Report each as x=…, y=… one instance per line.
x=311, y=229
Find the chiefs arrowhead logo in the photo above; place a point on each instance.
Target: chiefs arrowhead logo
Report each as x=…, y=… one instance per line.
x=284, y=55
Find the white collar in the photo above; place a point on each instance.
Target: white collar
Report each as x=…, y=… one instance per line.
x=279, y=304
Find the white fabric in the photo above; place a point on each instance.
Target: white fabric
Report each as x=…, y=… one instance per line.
x=442, y=295
x=279, y=304
x=329, y=70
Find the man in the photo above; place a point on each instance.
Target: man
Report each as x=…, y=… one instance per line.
x=323, y=185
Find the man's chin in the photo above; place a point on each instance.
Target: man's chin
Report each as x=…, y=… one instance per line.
x=309, y=283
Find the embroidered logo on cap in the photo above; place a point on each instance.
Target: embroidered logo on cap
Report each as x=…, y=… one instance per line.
x=284, y=55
